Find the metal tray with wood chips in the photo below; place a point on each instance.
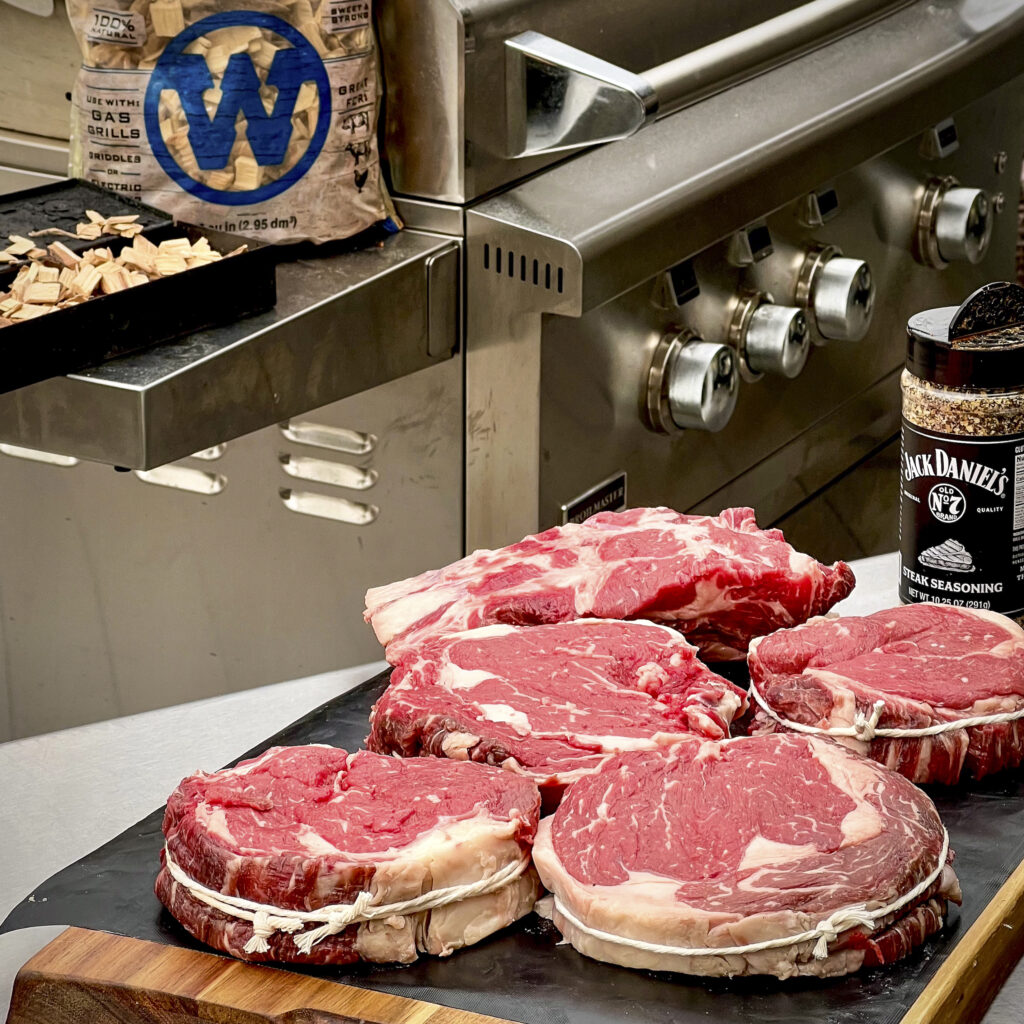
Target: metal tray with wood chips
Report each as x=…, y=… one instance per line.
x=136, y=315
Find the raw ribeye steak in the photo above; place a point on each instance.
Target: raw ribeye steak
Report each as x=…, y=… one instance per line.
x=551, y=701
x=304, y=828
x=734, y=843
x=717, y=579
x=927, y=665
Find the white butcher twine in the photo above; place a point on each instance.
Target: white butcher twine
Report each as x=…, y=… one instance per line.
x=825, y=931
x=267, y=919
x=865, y=727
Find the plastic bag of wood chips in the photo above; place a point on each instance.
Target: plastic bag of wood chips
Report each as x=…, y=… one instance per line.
x=257, y=117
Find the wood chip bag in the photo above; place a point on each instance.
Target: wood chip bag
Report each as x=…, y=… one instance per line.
x=256, y=117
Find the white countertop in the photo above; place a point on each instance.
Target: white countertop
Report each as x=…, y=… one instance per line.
x=57, y=802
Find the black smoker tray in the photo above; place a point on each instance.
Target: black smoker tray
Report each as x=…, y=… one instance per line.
x=73, y=339
x=522, y=974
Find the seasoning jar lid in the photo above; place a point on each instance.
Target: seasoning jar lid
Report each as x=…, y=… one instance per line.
x=977, y=345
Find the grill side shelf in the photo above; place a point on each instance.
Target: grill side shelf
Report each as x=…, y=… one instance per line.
x=342, y=324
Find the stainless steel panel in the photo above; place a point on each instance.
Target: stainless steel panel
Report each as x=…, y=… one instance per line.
x=327, y=338
x=423, y=51
x=119, y=595
x=13, y=179
x=423, y=215
x=32, y=153
x=444, y=69
x=710, y=169
x=787, y=438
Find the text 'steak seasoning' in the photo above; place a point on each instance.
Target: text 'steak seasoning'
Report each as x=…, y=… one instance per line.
x=962, y=458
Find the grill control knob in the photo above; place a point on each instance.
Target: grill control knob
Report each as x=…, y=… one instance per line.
x=954, y=223
x=692, y=384
x=768, y=338
x=838, y=292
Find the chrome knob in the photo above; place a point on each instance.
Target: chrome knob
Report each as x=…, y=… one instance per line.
x=769, y=338
x=702, y=386
x=954, y=223
x=963, y=224
x=844, y=299
x=838, y=291
x=691, y=384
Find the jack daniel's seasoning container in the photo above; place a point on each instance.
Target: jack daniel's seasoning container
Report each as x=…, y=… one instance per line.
x=962, y=455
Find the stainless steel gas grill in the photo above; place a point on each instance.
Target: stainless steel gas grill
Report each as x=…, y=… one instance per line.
x=656, y=253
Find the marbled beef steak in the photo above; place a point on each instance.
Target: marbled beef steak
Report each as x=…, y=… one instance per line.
x=302, y=828
x=928, y=664
x=553, y=702
x=738, y=842
x=717, y=579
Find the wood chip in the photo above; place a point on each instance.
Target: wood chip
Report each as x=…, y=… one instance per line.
x=86, y=280
x=247, y=173
x=168, y=17
x=142, y=244
x=175, y=247
x=52, y=231
x=67, y=279
x=115, y=280
x=20, y=245
x=45, y=292
x=169, y=263
x=27, y=312
x=63, y=254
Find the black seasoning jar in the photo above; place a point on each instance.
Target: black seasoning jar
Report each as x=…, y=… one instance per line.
x=962, y=455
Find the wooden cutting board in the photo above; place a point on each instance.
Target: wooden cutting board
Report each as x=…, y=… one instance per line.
x=89, y=977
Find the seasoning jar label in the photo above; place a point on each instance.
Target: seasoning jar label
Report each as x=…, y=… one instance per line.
x=962, y=520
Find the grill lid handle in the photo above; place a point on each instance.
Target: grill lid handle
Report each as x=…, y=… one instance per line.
x=561, y=98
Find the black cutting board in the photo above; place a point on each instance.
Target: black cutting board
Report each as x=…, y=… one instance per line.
x=523, y=974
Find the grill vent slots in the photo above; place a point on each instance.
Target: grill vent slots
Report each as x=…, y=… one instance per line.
x=508, y=263
x=314, y=469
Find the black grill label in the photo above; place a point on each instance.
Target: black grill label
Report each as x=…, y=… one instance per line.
x=609, y=496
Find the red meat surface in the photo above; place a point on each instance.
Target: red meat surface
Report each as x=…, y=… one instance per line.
x=928, y=664
x=737, y=842
x=552, y=702
x=302, y=828
x=719, y=580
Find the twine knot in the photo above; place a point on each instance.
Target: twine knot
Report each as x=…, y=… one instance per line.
x=842, y=920
x=337, y=921
x=262, y=929
x=864, y=725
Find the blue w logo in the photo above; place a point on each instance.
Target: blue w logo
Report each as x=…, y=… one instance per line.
x=268, y=134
